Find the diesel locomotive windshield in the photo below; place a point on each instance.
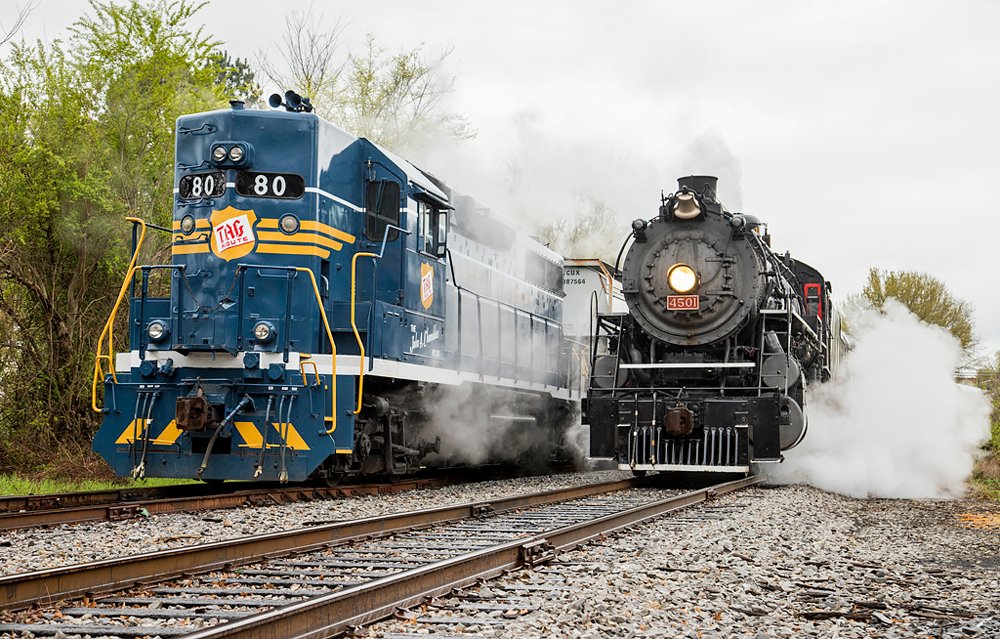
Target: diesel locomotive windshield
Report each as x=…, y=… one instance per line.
x=277, y=185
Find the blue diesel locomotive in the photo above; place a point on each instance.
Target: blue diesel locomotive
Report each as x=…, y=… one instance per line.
x=332, y=310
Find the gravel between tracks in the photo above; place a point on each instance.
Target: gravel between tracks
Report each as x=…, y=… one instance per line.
x=903, y=569
x=37, y=548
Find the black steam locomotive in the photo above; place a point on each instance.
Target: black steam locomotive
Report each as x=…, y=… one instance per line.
x=708, y=371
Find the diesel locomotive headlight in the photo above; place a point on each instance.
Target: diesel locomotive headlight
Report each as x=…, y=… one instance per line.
x=157, y=331
x=187, y=224
x=236, y=153
x=682, y=278
x=264, y=332
x=219, y=153
x=289, y=223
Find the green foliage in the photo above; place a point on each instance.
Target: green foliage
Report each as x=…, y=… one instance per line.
x=927, y=297
x=11, y=484
x=86, y=138
x=235, y=78
x=397, y=99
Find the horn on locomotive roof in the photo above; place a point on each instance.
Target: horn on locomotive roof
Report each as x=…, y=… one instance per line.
x=703, y=185
x=292, y=102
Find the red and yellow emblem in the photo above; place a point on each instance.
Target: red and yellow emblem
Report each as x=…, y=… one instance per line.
x=233, y=233
x=426, y=285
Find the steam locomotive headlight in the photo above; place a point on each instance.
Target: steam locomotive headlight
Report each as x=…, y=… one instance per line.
x=157, y=331
x=264, y=332
x=219, y=153
x=682, y=278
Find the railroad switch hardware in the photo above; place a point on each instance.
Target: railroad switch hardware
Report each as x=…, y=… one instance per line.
x=537, y=552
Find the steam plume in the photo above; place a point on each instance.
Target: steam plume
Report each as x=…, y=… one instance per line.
x=894, y=424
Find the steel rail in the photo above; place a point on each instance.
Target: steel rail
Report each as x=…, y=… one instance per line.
x=51, y=585
x=48, y=510
x=28, y=511
x=328, y=615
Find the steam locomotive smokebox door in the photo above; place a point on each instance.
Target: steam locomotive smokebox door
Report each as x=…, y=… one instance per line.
x=764, y=431
x=602, y=413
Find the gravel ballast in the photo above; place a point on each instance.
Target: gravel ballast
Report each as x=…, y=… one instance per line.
x=38, y=548
x=780, y=562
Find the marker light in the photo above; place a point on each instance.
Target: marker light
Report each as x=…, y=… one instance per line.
x=682, y=278
x=264, y=332
x=289, y=223
x=157, y=331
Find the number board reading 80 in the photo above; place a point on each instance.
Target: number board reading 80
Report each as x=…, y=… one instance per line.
x=199, y=185
x=279, y=185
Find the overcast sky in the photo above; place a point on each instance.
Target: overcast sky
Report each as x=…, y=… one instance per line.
x=865, y=133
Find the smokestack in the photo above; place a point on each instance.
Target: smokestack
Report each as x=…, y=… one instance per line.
x=704, y=185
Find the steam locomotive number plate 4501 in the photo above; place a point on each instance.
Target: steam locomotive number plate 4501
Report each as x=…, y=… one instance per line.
x=682, y=302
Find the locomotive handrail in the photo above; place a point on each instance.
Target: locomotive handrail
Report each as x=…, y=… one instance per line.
x=354, y=324
x=108, y=330
x=333, y=349
x=305, y=359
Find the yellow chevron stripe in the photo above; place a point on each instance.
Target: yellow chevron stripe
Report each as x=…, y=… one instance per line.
x=167, y=438
x=248, y=431
x=287, y=249
x=311, y=225
x=187, y=249
x=314, y=238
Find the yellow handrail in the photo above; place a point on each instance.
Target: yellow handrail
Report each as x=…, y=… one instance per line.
x=333, y=349
x=108, y=330
x=354, y=325
x=304, y=360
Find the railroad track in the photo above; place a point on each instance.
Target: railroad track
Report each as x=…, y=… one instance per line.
x=321, y=581
x=30, y=511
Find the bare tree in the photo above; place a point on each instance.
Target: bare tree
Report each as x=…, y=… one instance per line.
x=22, y=17
x=310, y=56
x=394, y=99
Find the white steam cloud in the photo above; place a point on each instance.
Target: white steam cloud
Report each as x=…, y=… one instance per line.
x=894, y=423
x=473, y=425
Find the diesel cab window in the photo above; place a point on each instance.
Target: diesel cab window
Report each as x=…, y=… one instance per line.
x=433, y=229
x=382, y=204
